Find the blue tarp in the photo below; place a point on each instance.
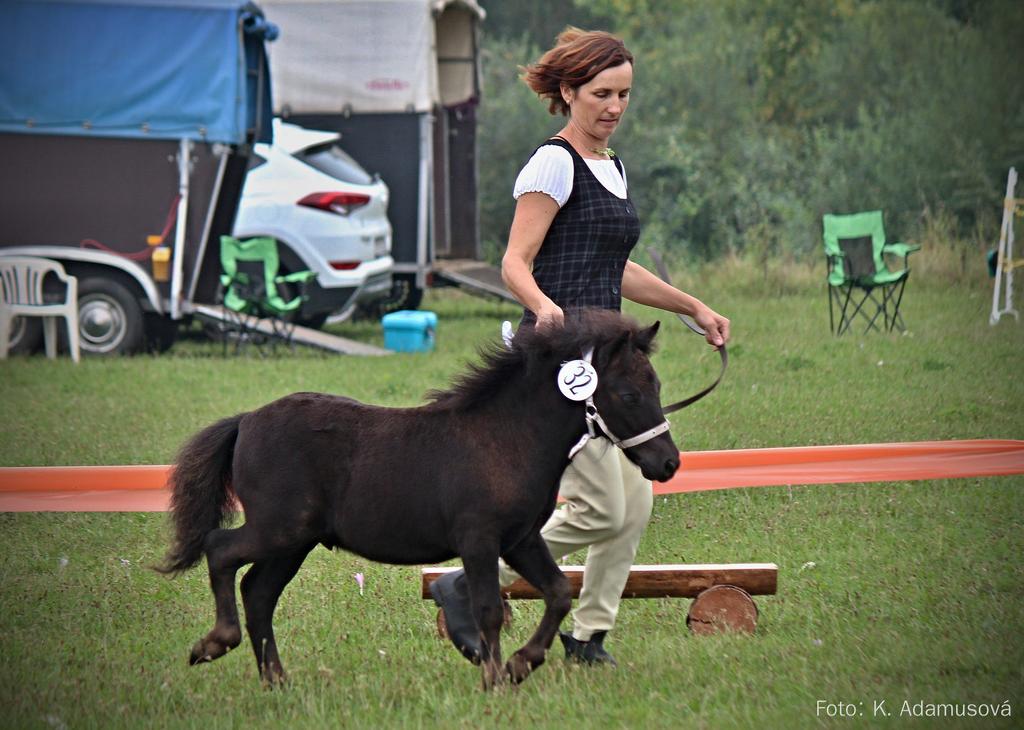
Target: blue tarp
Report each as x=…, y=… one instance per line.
x=165, y=69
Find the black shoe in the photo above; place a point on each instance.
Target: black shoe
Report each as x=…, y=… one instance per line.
x=451, y=594
x=587, y=652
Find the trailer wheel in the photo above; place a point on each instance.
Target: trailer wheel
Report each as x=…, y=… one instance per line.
x=161, y=333
x=316, y=322
x=109, y=318
x=26, y=335
x=404, y=295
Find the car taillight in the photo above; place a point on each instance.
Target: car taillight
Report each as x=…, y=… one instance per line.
x=344, y=265
x=340, y=203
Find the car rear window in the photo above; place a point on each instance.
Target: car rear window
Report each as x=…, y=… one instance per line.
x=331, y=160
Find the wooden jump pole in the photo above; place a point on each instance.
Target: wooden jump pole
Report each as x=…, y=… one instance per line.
x=654, y=581
x=721, y=592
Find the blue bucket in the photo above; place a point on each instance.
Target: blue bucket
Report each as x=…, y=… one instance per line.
x=409, y=331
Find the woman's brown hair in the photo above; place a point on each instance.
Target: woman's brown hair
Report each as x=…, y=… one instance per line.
x=578, y=56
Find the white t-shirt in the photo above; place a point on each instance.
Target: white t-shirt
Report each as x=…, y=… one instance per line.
x=550, y=171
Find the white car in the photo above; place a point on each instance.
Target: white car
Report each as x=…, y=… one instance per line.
x=328, y=216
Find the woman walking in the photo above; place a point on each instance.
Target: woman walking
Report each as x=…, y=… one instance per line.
x=568, y=248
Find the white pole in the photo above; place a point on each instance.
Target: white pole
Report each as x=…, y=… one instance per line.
x=425, y=199
x=994, y=315
x=178, y=259
x=1004, y=256
x=1010, y=262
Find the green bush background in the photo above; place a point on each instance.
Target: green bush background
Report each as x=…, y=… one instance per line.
x=751, y=118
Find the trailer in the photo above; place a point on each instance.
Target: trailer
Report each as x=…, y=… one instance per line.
x=400, y=80
x=125, y=130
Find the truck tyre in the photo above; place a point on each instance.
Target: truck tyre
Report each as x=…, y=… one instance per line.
x=287, y=292
x=26, y=335
x=109, y=318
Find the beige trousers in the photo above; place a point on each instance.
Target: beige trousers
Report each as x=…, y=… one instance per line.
x=607, y=506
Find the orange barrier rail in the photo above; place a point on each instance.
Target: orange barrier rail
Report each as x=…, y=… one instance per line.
x=84, y=489
x=896, y=462
x=141, y=488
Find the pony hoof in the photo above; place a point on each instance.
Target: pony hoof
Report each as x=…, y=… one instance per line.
x=272, y=675
x=273, y=681
x=494, y=679
x=198, y=657
x=518, y=669
x=206, y=651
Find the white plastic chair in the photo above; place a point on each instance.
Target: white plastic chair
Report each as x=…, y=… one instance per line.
x=21, y=295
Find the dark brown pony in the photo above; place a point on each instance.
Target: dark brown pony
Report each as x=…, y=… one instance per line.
x=473, y=474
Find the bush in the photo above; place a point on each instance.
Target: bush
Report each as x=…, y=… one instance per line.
x=750, y=120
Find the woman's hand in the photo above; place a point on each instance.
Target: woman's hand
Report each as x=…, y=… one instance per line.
x=715, y=326
x=641, y=286
x=550, y=314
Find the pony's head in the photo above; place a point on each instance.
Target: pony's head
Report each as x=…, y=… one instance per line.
x=627, y=400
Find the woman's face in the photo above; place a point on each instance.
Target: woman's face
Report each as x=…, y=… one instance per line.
x=597, y=106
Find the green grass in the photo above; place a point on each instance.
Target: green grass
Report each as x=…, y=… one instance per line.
x=916, y=591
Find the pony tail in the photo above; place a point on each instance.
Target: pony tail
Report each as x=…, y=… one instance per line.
x=201, y=494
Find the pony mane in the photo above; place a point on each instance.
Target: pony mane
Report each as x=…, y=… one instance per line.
x=530, y=348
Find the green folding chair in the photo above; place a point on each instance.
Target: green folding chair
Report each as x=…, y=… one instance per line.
x=855, y=250
x=251, y=292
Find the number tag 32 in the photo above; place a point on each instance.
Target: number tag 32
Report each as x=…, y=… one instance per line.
x=577, y=380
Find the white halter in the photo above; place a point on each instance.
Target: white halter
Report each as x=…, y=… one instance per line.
x=593, y=416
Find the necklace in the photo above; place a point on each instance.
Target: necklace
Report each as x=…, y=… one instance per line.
x=596, y=150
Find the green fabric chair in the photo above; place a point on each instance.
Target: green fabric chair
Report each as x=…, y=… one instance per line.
x=251, y=288
x=856, y=250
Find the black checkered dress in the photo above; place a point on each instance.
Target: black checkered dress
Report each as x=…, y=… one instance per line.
x=584, y=253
